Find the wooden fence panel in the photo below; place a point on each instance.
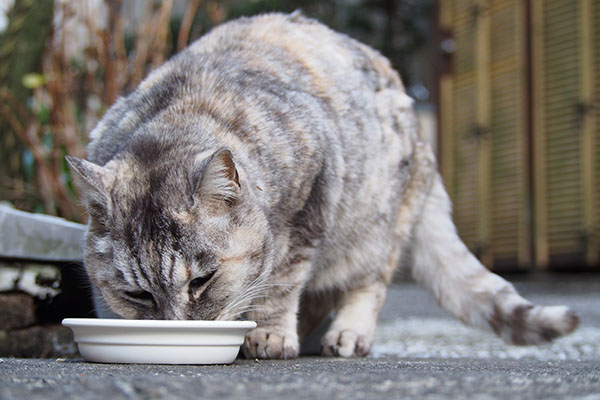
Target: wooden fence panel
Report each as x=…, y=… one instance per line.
x=486, y=165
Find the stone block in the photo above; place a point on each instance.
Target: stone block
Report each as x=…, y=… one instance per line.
x=30, y=236
x=17, y=311
x=48, y=341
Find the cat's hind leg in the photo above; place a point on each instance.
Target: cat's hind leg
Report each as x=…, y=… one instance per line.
x=468, y=290
x=353, y=329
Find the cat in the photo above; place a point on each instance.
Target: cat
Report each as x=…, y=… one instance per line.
x=274, y=170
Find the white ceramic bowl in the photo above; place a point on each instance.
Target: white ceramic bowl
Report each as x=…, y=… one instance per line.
x=158, y=341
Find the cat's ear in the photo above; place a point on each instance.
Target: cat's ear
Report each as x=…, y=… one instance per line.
x=89, y=177
x=217, y=178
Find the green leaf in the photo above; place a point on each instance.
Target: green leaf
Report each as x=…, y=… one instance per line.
x=33, y=80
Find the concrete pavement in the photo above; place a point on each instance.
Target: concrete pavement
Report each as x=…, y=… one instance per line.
x=420, y=352
x=306, y=378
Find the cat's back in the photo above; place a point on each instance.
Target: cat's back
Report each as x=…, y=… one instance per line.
x=293, y=47
x=295, y=62
x=353, y=98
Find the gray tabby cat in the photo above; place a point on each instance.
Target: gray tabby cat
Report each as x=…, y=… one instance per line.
x=274, y=171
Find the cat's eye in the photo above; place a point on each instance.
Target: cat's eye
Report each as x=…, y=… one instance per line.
x=197, y=283
x=140, y=296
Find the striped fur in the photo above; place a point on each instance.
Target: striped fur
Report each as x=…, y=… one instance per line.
x=274, y=170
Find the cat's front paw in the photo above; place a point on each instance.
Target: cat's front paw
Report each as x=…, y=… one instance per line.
x=345, y=343
x=269, y=343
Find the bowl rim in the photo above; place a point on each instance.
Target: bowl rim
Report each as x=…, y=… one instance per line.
x=156, y=324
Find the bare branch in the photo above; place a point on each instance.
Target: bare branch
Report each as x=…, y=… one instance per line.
x=186, y=24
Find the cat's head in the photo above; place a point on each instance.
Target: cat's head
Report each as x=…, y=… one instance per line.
x=173, y=239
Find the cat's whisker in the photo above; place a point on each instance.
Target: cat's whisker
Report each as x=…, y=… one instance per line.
x=243, y=302
x=234, y=315
x=238, y=303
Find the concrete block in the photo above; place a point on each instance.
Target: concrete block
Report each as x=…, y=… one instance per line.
x=18, y=311
x=38, y=342
x=30, y=236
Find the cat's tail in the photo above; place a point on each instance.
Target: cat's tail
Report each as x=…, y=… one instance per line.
x=468, y=290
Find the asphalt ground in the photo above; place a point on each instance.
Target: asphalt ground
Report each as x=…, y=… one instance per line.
x=420, y=352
